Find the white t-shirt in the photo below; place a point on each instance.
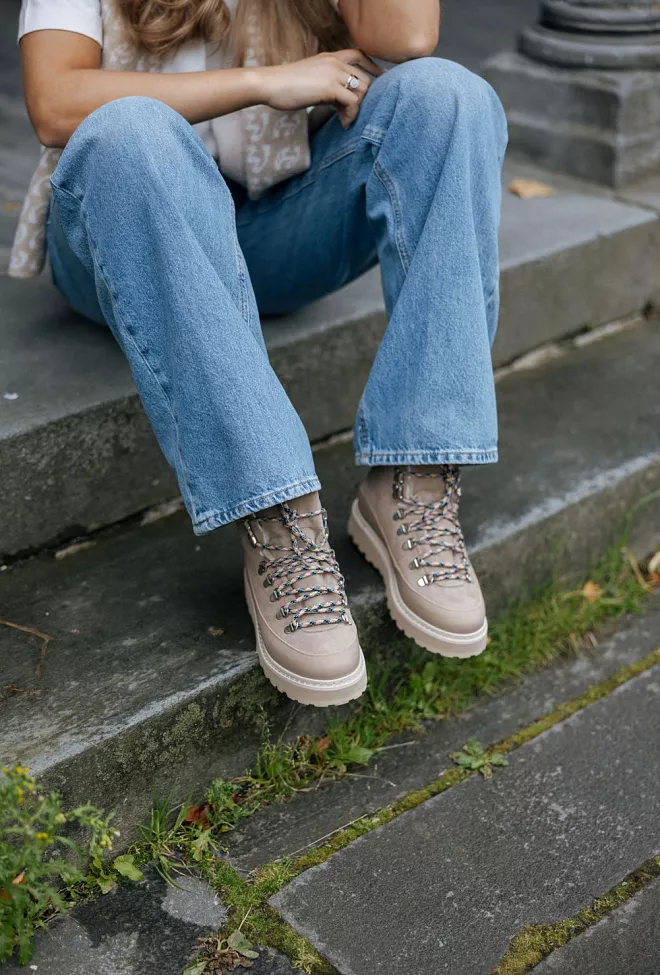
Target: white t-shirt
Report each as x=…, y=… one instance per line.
x=223, y=136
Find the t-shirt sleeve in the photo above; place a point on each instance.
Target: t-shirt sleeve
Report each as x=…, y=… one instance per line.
x=79, y=16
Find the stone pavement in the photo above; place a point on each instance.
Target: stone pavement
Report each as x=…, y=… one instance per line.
x=628, y=940
x=446, y=885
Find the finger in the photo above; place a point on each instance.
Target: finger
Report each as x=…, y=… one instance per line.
x=353, y=56
x=347, y=117
x=347, y=108
x=364, y=79
x=344, y=98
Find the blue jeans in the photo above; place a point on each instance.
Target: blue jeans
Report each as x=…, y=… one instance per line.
x=144, y=236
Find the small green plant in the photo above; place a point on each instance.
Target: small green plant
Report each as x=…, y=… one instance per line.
x=34, y=879
x=475, y=758
x=218, y=954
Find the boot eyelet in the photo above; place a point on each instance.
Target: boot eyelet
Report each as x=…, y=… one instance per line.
x=415, y=564
x=409, y=543
x=253, y=538
x=268, y=582
x=424, y=581
x=282, y=612
x=291, y=627
x=262, y=568
x=275, y=595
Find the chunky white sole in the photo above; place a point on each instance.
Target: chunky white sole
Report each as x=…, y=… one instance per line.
x=305, y=690
x=430, y=637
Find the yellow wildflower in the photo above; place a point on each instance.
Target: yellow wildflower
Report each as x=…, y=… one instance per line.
x=42, y=836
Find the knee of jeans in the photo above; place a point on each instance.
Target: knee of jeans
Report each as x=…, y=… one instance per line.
x=125, y=132
x=437, y=88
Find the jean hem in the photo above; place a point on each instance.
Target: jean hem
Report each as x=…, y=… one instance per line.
x=216, y=519
x=386, y=458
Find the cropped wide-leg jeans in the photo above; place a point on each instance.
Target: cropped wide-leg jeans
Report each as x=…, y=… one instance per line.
x=144, y=236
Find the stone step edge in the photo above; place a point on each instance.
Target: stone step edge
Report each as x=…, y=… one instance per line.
x=218, y=705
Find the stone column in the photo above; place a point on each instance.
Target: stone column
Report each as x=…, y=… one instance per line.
x=583, y=92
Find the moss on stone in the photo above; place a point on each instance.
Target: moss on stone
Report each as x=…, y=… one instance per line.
x=247, y=704
x=531, y=945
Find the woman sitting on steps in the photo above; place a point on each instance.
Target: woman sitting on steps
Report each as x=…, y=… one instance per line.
x=226, y=158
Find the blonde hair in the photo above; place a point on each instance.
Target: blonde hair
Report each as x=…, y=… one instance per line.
x=289, y=29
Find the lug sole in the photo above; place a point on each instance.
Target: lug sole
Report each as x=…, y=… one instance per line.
x=431, y=638
x=305, y=690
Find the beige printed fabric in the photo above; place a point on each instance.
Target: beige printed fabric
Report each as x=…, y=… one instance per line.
x=276, y=146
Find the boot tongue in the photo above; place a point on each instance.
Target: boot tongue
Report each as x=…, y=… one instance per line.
x=426, y=489
x=276, y=532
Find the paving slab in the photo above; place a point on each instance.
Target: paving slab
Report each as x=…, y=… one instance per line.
x=628, y=940
x=446, y=886
x=142, y=928
x=147, y=928
x=412, y=761
x=136, y=693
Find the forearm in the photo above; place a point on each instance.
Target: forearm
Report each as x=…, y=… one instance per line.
x=198, y=96
x=394, y=30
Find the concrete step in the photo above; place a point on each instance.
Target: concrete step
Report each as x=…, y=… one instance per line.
x=150, y=678
x=76, y=452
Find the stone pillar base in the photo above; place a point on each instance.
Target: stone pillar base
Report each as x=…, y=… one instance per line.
x=601, y=125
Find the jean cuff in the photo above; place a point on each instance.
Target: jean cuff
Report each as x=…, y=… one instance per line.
x=394, y=458
x=215, y=519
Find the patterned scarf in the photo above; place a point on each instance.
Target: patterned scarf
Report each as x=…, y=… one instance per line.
x=276, y=145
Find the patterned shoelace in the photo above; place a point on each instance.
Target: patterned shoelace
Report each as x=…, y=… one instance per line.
x=301, y=560
x=435, y=524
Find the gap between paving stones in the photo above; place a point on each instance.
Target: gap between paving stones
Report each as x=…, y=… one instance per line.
x=246, y=899
x=535, y=942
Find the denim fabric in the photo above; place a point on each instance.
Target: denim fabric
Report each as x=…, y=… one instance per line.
x=144, y=236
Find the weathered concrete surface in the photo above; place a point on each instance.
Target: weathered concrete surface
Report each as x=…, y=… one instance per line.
x=283, y=830
x=147, y=927
x=601, y=125
x=136, y=693
x=449, y=883
x=628, y=940
x=570, y=261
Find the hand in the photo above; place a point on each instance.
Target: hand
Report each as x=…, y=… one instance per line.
x=320, y=80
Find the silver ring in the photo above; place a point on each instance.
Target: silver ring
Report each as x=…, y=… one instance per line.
x=352, y=82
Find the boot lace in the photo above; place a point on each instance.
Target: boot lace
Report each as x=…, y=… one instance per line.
x=301, y=560
x=434, y=524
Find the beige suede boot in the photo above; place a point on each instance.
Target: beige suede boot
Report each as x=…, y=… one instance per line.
x=405, y=522
x=306, y=638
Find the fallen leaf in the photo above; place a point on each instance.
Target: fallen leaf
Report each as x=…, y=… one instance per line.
x=323, y=744
x=591, y=591
x=20, y=879
x=199, y=815
x=654, y=564
x=530, y=189
x=215, y=631
x=11, y=207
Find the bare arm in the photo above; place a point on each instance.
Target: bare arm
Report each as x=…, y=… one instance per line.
x=394, y=30
x=64, y=83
